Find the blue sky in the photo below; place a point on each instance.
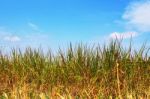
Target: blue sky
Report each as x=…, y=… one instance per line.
x=53, y=23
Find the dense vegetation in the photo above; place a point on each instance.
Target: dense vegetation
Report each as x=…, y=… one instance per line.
x=101, y=72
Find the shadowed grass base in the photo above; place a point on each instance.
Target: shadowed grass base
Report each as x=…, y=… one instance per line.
x=101, y=72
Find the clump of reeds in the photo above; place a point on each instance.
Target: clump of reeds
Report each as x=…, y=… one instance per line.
x=80, y=72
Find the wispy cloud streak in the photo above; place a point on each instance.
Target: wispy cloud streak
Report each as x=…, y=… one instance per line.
x=137, y=15
x=33, y=26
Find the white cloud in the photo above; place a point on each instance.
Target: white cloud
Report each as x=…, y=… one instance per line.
x=12, y=38
x=8, y=36
x=125, y=35
x=33, y=26
x=137, y=15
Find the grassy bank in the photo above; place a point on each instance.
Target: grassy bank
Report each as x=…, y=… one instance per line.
x=101, y=72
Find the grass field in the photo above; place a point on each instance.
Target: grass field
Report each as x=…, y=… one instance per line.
x=81, y=72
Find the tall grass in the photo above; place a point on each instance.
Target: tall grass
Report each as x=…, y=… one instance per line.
x=99, y=72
